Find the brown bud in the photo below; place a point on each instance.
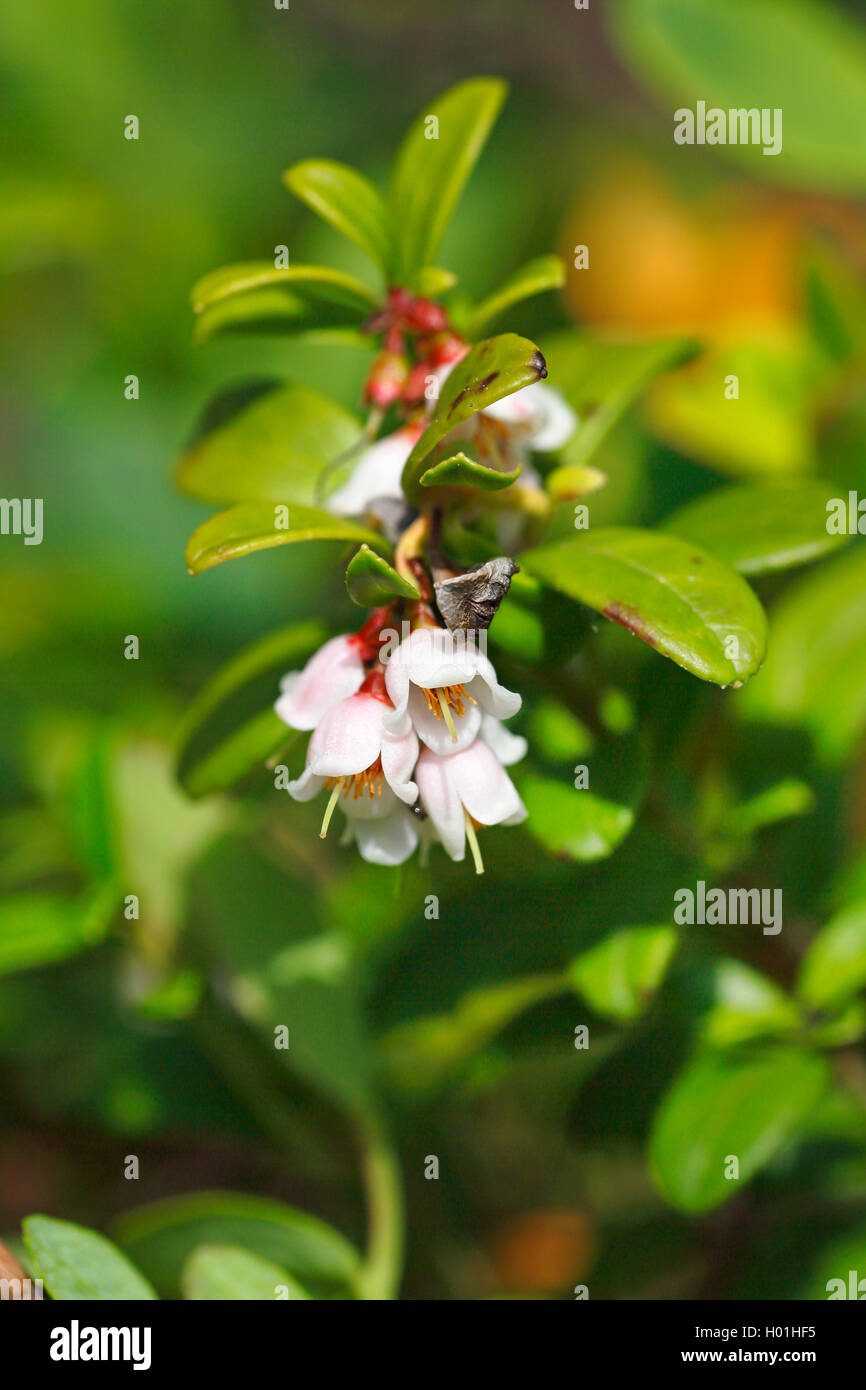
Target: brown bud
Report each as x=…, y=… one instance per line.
x=469, y=601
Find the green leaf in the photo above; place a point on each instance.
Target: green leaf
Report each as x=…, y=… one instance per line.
x=723, y=1106
x=463, y=471
x=802, y=57
x=230, y=727
x=421, y=1054
x=75, y=1263
x=266, y=444
x=348, y=201
x=430, y=173
x=371, y=581
x=218, y=1273
x=490, y=370
x=758, y=530
x=432, y=281
x=680, y=600
x=601, y=379
x=587, y=823
x=768, y=430
x=834, y=967
x=315, y=281
x=39, y=928
x=160, y=1237
x=744, y=1005
x=818, y=646
x=255, y=526
x=619, y=976
x=831, y=1277
x=310, y=989
x=278, y=309
x=544, y=273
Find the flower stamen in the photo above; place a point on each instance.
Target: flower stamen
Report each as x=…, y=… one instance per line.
x=473, y=842
x=447, y=700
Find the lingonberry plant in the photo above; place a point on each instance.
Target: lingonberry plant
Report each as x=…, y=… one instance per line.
x=473, y=689
x=455, y=491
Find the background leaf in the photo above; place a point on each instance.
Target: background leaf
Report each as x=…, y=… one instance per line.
x=760, y=529
x=218, y=1273
x=161, y=1236
x=618, y=977
x=806, y=58
x=79, y=1264
x=722, y=1106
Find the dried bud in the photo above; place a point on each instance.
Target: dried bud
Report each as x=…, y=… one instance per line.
x=469, y=601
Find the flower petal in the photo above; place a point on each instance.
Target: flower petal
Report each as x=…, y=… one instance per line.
x=389, y=841
x=399, y=756
x=349, y=737
x=484, y=787
x=492, y=697
x=508, y=747
x=377, y=474
x=333, y=673
x=440, y=800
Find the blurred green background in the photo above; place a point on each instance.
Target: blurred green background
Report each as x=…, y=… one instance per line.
x=122, y=1049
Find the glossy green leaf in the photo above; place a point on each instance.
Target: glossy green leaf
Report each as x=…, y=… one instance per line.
x=744, y=1005
x=279, y=309
x=371, y=581
x=75, y=1263
x=255, y=526
x=757, y=530
x=818, y=646
x=619, y=976
x=834, y=967
x=266, y=445
x=316, y=281
x=683, y=602
x=492, y=369
x=601, y=378
x=230, y=727
x=39, y=928
x=536, y=277
x=160, y=1237
x=463, y=471
x=725, y=1106
x=348, y=201
x=803, y=57
x=430, y=170
x=218, y=1273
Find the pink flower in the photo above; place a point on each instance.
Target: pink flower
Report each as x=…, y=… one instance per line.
x=335, y=672
x=465, y=791
x=367, y=767
x=444, y=683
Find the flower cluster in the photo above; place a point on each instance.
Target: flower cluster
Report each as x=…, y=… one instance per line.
x=406, y=737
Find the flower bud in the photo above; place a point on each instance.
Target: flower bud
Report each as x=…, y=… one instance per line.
x=386, y=379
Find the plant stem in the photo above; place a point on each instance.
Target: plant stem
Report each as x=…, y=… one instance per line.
x=383, y=1264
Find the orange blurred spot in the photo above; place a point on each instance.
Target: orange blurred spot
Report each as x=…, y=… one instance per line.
x=542, y=1251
